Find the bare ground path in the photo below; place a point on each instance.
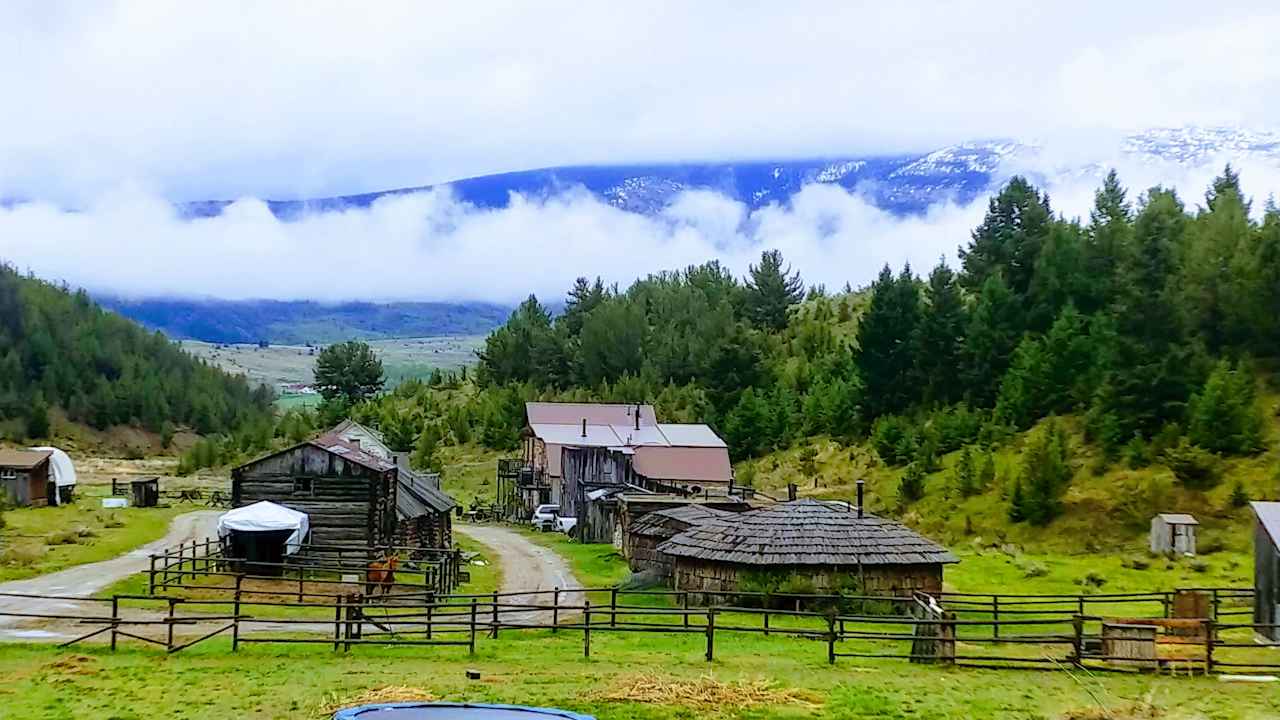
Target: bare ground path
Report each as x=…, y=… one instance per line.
x=85, y=580
x=526, y=567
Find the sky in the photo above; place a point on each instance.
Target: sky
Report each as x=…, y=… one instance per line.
x=116, y=110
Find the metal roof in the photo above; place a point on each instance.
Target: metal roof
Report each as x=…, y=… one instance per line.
x=596, y=435
x=23, y=459
x=692, y=464
x=1178, y=518
x=690, y=435
x=595, y=414
x=1269, y=517
x=415, y=496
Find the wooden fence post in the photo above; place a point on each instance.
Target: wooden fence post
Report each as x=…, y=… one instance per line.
x=115, y=619
x=995, y=617
x=1077, y=641
x=613, y=607
x=555, y=609
x=494, y=634
x=685, y=600
x=235, y=612
x=337, y=620
x=586, y=628
x=711, y=634
x=300, y=582
x=429, y=613
x=151, y=576
x=169, y=641
x=766, y=622
x=472, y=646
x=1208, y=646
x=831, y=640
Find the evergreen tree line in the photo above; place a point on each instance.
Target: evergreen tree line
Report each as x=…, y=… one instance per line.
x=58, y=348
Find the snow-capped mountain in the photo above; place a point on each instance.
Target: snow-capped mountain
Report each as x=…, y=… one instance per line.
x=902, y=184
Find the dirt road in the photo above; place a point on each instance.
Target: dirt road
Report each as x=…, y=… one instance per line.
x=526, y=567
x=85, y=580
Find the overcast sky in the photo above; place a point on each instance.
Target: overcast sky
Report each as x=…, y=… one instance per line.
x=120, y=107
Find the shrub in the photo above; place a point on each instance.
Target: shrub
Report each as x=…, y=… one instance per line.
x=1136, y=562
x=1033, y=569
x=22, y=555
x=1224, y=416
x=1239, y=497
x=1092, y=580
x=911, y=486
x=112, y=522
x=894, y=439
x=1199, y=565
x=1194, y=467
x=62, y=537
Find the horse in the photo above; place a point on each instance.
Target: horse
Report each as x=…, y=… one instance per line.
x=381, y=574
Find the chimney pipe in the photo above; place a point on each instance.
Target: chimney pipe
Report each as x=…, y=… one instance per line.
x=860, y=484
x=791, y=492
x=584, y=427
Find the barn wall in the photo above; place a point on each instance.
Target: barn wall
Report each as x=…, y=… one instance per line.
x=431, y=530
x=348, y=503
x=28, y=487
x=702, y=576
x=1264, y=581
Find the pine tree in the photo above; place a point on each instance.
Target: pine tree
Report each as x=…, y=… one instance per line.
x=1223, y=416
x=349, y=371
x=911, y=486
x=1045, y=474
x=886, y=343
x=1009, y=240
x=1106, y=242
x=995, y=329
x=771, y=290
x=940, y=337
x=1216, y=252
x=965, y=474
x=38, y=418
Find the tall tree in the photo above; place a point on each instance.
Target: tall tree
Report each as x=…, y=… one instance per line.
x=995, y=329
x=1106, y=241
x=348, y=371
x=886, y=335
x=1215, y=251
x=940, y=337
x=1009, y=239
x=771, y=289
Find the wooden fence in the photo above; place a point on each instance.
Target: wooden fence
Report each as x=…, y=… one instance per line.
x=322, y=566
x=916, y=629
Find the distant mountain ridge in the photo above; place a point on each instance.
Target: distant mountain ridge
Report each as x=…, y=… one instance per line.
x=301, y=322
x=901, y=183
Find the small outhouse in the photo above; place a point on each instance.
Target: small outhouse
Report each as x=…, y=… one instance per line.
x=1173, y=533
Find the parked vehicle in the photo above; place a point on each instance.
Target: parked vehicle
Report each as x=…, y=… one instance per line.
x=566, y=525
x=544, y=517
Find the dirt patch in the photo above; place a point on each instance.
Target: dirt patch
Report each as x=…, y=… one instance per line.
x=389, y=694
x=706, y=694
x=73, y=665
x=1128, y=711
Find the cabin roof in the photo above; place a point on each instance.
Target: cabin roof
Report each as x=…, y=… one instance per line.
x=548, y=413
x=1178, y=518
x=1269, y=518
x=23, y=459
x=333, y=446
x=672, y=521
x=415, y=496
x=805, y=532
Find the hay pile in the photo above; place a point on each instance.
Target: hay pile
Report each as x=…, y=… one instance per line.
x=1129, y=711
x=388, y=694
x=705, y=694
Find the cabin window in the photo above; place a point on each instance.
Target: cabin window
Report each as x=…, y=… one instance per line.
x=8, y=474
x=302, y=486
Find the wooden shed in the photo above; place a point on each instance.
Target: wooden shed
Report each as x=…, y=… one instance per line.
x=645, y=535
x=1266, y=569
x=1174, y=532
x=348, y=494
x=24, y=477
x=829, y=545
x=424, y=512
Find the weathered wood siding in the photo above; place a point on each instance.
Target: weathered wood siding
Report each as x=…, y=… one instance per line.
x=347, y=503
x=1265, y=596
x=28, y=488
x=700, y=576
x=431, y=530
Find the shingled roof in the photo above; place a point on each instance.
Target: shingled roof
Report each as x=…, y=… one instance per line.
x=671, y=521
x=805, y=532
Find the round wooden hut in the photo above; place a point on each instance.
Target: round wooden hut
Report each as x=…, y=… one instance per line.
x=826, y=546
x=655, y=528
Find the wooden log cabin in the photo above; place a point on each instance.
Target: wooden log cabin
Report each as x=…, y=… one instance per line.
x=823, y=546
x=25, y=477
x=348, y=494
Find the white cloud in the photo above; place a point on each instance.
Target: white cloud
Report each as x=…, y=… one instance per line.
x=431, y=246
x=305, y=99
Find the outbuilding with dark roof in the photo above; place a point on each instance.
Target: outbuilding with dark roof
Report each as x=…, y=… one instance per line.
x=824, y=545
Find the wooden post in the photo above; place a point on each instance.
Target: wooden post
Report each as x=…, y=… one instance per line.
x=337, y=620
x=1080, y=605
x=995, y=617
x=235, y=611
x=429, y=613
x=1214, y=605
x=766, y=622
x=495, y=615
x=831, y=640
x=1164, y=599
x=711, y=634
x=685, y=599
x=169, y=641
x=555, y=609
x=586, y=628
x=1208, y=645
x=472, y=649
x=1077, y=641
x=613, y=607
x=300, y=570
x=151, y=576
x=115, y=619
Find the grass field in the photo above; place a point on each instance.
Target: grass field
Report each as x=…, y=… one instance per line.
x=37, y=541
x=539, y=668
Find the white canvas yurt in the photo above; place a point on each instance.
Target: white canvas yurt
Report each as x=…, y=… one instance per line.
x=62, y=474
x=259, y=536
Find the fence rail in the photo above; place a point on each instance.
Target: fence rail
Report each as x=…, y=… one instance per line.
x=928, y=632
